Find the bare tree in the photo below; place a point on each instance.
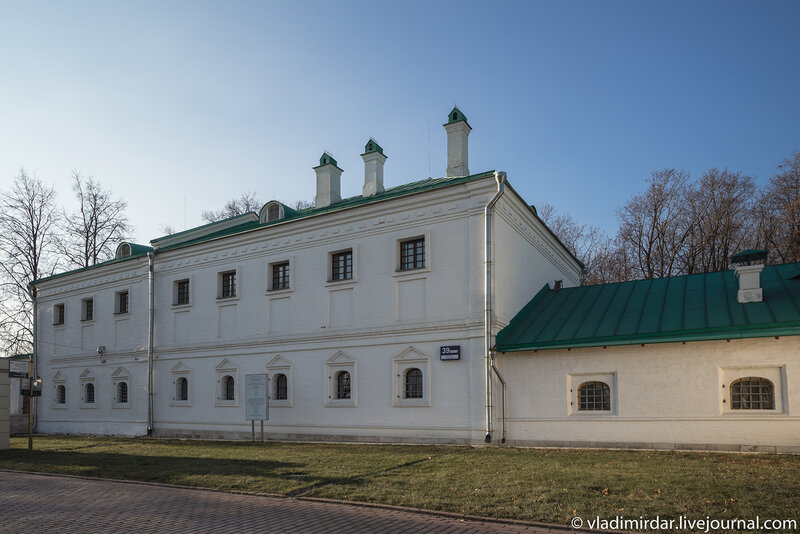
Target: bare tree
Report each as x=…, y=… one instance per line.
x=247, y=202
x=655, y=225
x=778, y=213
x=721, y=208
x=302, y=204
x=27, y=222
x=93, y=231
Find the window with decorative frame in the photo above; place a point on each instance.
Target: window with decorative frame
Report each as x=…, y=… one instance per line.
x=342, y=265
x=412, y=371
x=341, y=380
x=181, y=384
x=280, y=276
x=61, y=394
x=88, y=390
x=594, y=396
x=121, y=302
x=59, y=391
x=226, y=375
x=280, y=376
x=180, y=293
x=412, y=254
x=227, y=284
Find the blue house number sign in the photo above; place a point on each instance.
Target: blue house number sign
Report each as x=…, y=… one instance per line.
x=450, y=352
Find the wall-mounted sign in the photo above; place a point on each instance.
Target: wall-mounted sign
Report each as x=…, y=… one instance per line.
x=255, y=395
x=18, y=369
x=450, y=352
x=28, y=391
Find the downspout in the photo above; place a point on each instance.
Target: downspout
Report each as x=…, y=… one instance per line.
x=151, y=311
x=34, y=406
x=500, y=178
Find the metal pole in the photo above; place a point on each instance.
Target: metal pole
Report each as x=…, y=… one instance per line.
x=262, y=431
x=30, y=404
x=253, y=422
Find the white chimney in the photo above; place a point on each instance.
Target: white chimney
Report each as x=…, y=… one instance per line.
x=329, y=178
x=749, y=275
x=457, y=143
x=373, y=168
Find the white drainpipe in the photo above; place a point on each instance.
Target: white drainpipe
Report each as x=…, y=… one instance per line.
x=500, y=178
x=151, y=287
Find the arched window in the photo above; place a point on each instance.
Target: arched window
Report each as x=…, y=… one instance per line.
x=273, y=213
x=281, y=387
x=413, y=384
x=594, y=396
x=342, y=385
x=89, y=393
x=228, y=388
x=122, y=393
x=182, y=389
x=61, y=394
x=752, y=393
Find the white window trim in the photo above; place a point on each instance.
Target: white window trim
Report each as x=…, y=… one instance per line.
x=280, y=366
x=225, y=368
x=269, y=291
x=341, y=362
x=411, y=358
x=774, y=373
x=60, y=380
x=574, y=381
x=238, y=287
x=396, y=255
x=180, y=370
x=175, y=304
x=329, y=282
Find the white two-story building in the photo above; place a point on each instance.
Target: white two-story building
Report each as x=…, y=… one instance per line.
x=373, y=316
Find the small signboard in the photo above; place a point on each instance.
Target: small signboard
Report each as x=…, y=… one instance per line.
x=256, y=398
x=450, y=352
x=28, y=391
x=18, y=369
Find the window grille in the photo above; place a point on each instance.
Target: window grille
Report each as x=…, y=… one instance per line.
x=342, y=385
x=123, y=302
x=89, y=393
x=122, y=393
x=182, y=389
x=281, y=387
x=412, y=254
x=228, y=389
x=61, y=395
x=413, y=384
x=280, y=276
x=594, y=396
x=229, y=284
x=58, y=314
x=752, y=393
x=342, y=265
x=183, y=292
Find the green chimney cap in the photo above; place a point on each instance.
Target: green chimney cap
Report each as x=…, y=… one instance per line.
x=456, y=115
x=372, y=146
x=749, y=256
x=326, y=159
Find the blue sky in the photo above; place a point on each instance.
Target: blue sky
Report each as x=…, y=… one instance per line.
x=191, y=103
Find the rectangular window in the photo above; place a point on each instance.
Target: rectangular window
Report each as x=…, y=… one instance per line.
x=58, y=314
x=228, y=284
x=342, y=265
x=280, y=276
x=122, y=302
x=412, y=254
x=182, y=292
x=87, y=309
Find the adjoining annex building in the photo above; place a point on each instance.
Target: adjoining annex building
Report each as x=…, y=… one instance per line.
x=376, y=318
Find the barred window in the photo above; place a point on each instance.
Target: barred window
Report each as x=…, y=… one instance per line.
x=182, y=290
x=281, y=387
x=228, y=389
x=413, y=384
x=594, y=396
x=342, y=385
x=182, y=389
x=58, y=314
x=87, y=309
x=122, y=302
x=412, y=254
x=752, y=393
x=122, y=393
x=228, y=284
x=280, y=276
x=342, y=265
x=61, y=394
x=89, y=393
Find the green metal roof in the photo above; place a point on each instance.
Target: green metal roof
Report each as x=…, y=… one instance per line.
x=327, y=159
x=683, y=308
x=20, y=356
x=456, y=115
x=372, y=146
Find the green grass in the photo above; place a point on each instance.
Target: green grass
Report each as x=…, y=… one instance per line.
x=531, y=484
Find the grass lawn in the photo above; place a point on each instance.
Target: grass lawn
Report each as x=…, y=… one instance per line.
x=530, y=484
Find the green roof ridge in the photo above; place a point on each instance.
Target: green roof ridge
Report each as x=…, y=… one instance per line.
x=372, y=146
x=327, y=159
x=456, y=115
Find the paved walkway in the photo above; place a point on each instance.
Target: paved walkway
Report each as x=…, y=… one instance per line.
x=40, y=503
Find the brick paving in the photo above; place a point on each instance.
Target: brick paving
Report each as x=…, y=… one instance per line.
x=41, y=503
